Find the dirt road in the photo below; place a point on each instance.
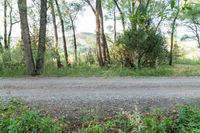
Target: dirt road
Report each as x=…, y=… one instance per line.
x=76, y=95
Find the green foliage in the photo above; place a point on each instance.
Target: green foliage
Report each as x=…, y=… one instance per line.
x=188, y=120
x=185, y=119
x=122, y=55
x=15, y=117
x=146, y=44
x=172, y=4
x=157, y=123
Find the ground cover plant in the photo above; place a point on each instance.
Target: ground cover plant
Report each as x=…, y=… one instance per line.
x=17, y=117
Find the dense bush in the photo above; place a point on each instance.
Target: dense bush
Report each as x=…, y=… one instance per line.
x=147, y=45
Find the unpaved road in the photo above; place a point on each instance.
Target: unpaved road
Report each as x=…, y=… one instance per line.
x=74, y=96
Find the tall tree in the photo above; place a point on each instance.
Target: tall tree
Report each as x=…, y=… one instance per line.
x=63, y=32
x=42, y=36
x=121, y=14
x=115, y=24
x=191, y=19
x=13, y=19
x=98, y=35
x=5, y=24
x=105, y=55
x=59, y=64
x=111, y=14
x=25, y=34
x=177, y=11
x=101, y=43
x=72, y=10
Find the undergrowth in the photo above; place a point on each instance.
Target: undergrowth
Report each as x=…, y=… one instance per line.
x=88, y=71
x=16, y=117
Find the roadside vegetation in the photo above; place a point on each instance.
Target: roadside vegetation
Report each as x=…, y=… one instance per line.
x=88, y=71
x=16, y=116
x=141, y=48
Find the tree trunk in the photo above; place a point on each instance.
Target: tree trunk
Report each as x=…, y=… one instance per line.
x=59, y=64
x=5, y=24
x=10, y=32
x=172, y=35
x=11, y=25
x=197, y=34
x=98, y=36
x=115, y=25
x=42, y=36
x=74, y=38
x=30, y=65
x=121, y=14
x=63, y=33
x=105, y=51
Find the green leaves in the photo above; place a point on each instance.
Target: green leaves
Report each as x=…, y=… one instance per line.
x=15, y=117
x=173, y=4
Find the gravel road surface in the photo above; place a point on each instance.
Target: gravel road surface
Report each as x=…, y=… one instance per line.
x=73, y=96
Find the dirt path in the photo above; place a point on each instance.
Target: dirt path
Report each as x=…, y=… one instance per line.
x=75, y=95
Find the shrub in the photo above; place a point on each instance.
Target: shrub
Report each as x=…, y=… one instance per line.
x=147, y=44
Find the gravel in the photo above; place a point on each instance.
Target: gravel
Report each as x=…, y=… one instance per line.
x=75, y=96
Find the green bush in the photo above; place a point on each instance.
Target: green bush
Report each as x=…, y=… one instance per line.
x=147, y=45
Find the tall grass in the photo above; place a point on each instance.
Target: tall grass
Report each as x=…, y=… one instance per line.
x=112, y=71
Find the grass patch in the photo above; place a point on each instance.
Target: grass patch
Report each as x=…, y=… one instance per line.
x=16, y=117
x=89, y=71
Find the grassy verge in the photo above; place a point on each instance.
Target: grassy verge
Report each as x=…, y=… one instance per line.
x=88, y=71
x=16, y=117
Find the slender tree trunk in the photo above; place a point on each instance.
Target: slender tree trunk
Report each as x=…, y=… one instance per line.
x=121, y=14
x=105, y=51
x=115, y=25
x=98, y=36
x=11, y=25
x=63, y=33
x=30, y=65
x=197, y=34
x=5, y=24
x=10, y=33
x=74, y=37
x=42, y=36
x=59, y=64
x=103, y=40
x=172, y=35
x=1, y=47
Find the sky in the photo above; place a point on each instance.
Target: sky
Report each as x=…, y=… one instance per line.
x=85, y=23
